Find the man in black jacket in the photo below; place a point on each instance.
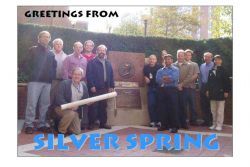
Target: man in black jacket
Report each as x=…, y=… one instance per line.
x=40, y=66
x=149, y=72
x=217, y=89
x=100, y=81
x=69, y=91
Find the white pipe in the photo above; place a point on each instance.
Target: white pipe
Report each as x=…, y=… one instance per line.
x=88, y=100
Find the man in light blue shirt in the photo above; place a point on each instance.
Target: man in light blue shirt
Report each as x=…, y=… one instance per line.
x=205, y=67
x=205, y=103
x=167, y=78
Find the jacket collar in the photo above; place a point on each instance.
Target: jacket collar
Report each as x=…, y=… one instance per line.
x=97, y=60
x=177, y=63
x=43, y=47
x=170, y=67
x=61, y=53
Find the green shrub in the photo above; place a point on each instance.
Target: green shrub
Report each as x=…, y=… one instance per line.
x=27, y=37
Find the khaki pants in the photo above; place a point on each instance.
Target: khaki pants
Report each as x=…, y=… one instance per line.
x=69, y=122
x=217, y=109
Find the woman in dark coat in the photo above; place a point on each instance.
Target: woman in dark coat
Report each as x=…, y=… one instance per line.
x=217, y=89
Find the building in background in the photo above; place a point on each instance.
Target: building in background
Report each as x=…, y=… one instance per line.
x=49, y=21
x=204, y=31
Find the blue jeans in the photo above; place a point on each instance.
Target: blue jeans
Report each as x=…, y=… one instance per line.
x=152, y=104
x=189, y=97
x=38, y=93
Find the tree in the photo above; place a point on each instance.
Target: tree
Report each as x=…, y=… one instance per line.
x=129, y=26
x=173, y=22
x=221, y=21
x=178, y=22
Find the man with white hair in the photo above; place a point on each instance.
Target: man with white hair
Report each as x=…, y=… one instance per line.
x=190, y=89
x=60, y=56
x=75, y=59
x=184, y=79
x=41, y=69
x=205, y=102
x=100, y=81
x=71, y=90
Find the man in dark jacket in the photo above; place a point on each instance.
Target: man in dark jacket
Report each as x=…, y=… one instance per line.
x=69, y=91
x=100, y=81
x=149, y=72
x=217, y=89
x=40, y=66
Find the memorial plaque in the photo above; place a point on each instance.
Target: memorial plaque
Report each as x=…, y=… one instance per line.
x=128, y=98
x=127, y=66
x=126, y=84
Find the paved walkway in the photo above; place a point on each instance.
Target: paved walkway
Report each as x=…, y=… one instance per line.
x=26, y=143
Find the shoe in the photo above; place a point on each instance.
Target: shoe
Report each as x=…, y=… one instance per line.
x=105, y=126
x=218, y=128
x=65, y=134
x=91, y=127
x=84, y=127
x=174, y=130
x=45, y=129
x=162, y=128
x=29, y=130
x=152, y=124
x=194, y=123
x=158, y=124
x=205, y=124
x=212, y=127
x=185, y=126
x=97, y=123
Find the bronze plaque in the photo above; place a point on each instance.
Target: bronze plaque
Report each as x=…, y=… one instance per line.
x=126, y=84
x=127, y=66
x=128, y=98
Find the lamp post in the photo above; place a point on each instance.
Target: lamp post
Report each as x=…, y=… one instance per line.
x=73, y=23
x=145, y=27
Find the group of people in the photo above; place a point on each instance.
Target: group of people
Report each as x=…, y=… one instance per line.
x=172, y=90
x=55, y=78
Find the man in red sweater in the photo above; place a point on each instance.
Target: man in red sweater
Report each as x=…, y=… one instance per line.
x=88, y=48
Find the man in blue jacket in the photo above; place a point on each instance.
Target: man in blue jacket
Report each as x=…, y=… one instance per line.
x=40, y=66
x=100, y=81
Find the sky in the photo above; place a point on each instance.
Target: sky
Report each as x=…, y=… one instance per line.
x=100, y=24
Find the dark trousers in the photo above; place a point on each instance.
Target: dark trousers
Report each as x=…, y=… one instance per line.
x=98, y=109
x=83, y=114
x=152, y=104
x=189, y=94
x=181, y=108
x=168, y=107
x=205, y=106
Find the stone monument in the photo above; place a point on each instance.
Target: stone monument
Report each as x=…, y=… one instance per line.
x=130, y=105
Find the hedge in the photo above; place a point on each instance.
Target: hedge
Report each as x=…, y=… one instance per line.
x=27, y=36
